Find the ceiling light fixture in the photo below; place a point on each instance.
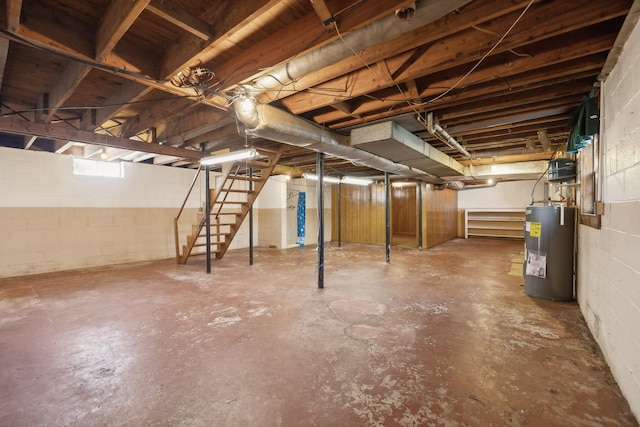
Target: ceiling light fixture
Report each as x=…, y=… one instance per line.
x=401, y=184
x=249, y=153
x=314, y=177
x=103, y=155
x=356, y=181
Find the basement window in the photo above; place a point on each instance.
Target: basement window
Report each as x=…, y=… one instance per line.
x=90, y=167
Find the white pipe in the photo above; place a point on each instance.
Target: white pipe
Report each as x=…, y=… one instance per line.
x=436, y=130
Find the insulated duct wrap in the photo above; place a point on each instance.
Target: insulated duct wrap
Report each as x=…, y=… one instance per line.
x=277, y=125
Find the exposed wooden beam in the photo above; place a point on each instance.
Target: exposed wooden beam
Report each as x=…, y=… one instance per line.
x=120, y=15
x=262, y=55
x=224, y=133
x=13, y=21
x=544, y=139
x=383, y=71
x=64, y=146
x=67, y=83
x=14, y=7
x=163, y=159
x=129, y=92
x=472, y=14
x=224, y=19
x=28, y=141
x=506, y=84
x=44, y=130
x=143, y=157
x=412, y=88
x=320, y=6
x=157, y=112
x=4, y=52
x=195, y=122
x=79, y=49
x=179, y=17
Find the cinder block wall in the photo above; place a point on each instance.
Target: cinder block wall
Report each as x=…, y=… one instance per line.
x=52, y=220
x=608, y=261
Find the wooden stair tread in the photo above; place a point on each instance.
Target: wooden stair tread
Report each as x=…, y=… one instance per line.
x=245, y=178
x=204, y=253
x=230, y=190
x=204, y=244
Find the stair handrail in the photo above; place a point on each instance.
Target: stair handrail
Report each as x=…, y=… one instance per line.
x=184, y=203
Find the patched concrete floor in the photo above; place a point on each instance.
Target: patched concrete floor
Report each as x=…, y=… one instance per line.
x=442, y=337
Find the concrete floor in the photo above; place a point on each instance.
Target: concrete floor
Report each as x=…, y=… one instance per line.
x=444, y=337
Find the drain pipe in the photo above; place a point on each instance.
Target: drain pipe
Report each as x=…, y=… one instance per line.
x=436, y=130
x=453, y=185
x=268, y=122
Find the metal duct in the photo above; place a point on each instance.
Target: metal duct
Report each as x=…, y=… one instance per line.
x=393, y=142
x=375, y=33
x=274, y=124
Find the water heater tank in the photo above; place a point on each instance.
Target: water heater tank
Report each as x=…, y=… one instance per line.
x=549, y=252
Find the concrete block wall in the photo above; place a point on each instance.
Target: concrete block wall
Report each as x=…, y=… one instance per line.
x=505, y=195
x=608, y=280
x=272, y=213
x=52, y=220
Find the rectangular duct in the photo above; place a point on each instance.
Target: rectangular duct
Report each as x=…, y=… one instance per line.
x=391, y=141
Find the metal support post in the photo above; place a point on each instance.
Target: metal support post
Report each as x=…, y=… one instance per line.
x=207, y=213
x=387, y=216
x=250, y=218
x=339, y=214
x=420, y=215
x=320, y=173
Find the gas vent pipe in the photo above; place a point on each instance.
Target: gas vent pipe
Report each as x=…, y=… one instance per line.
x=265, y=121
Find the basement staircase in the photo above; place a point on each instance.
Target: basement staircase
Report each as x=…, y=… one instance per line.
x=230, y=201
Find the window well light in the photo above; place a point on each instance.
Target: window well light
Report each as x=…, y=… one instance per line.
x=249, y=153
x=356, y=181
x=314, y=177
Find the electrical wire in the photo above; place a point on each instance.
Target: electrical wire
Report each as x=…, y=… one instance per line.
x=481, y=60
x=69, y=57
x=97, y=107
x=413, y=105
x=543, y=174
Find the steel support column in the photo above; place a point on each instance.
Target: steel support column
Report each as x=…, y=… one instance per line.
x=420, y=215
x=207, y=215
x=250, y=218
x=320, y=173
x=387, y=216
x=339, y=214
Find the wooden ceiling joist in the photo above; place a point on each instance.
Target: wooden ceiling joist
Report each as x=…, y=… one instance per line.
x=43, y=130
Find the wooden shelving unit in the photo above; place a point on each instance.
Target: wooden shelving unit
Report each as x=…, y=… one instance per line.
x=496, y=223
